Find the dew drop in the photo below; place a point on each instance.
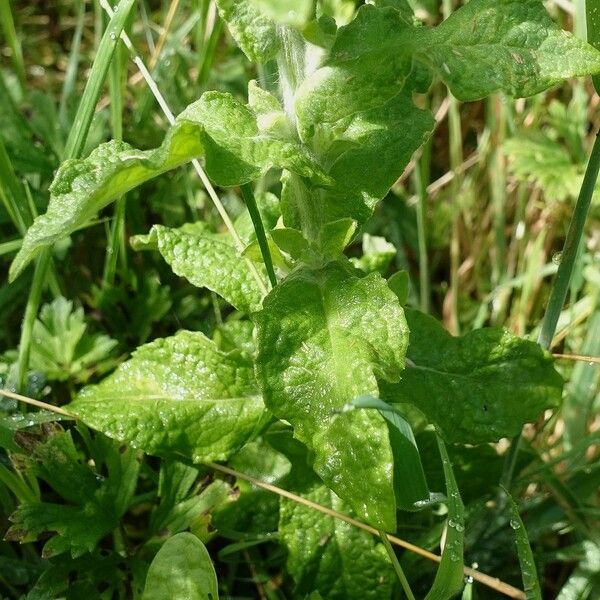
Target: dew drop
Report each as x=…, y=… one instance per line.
x=460, y=527
x=515, y=524
x=454, y=557
x=557, y=258
x=113, y=35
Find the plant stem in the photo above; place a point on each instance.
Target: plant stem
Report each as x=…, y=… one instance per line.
x=261, y=236
x=33, y=302
x=421, y=187
x=456, y=159
x=116, y=237
x=570, y=249
x=397, y=567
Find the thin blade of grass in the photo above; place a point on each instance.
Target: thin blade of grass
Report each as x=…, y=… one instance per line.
x=8, y=27
x=531, y=583
x=85, y=112
x=449, y=579
x=73, y=149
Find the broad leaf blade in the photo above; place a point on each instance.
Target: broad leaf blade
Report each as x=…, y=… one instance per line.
x=505, y=45
x=177, y=396
x=409, y=476
x=181, y=570
x=366, y=67
x=83, y=187
x=327, y=555
x=206, y=260
x=238, y=147
x=477, y=388
x=241, y=144
x=255, y=33
x=295, y=13
x=323, y=336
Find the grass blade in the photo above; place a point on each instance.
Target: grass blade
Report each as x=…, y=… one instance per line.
x=531, y=583
x=73, y=149
x=8, y=26
x=449, y=579
x=259, y=229
x=571, y=248
x=85, y=112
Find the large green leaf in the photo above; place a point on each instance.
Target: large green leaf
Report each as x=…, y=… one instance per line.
x=295, y=13
x=241, y=144
x=378, y=146
x=330, y=556
x=254, y=32
x=206, y=260
x=323, y=337
x=367, y=66
x=83, y=187
x=238, y=147
x=508, y=45
x=485, y=46
x=364, y=155
x=177, y=396
x=181, y=570
x=476, y=388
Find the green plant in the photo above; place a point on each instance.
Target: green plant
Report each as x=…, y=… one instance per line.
x=328, y=352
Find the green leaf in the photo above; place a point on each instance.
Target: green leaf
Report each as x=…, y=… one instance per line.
x=540, y=160
x=483, y=47
x=367, y=66
x=410, y=485
x=531, y=584
x=254, y=32
x=177, y=396
x=331, y=556
x=328, y=555
x=93, y=504
x=236, y=148
x=180, y=503
x=399, y=283
x=62, y=348
x=508, y=45
x=206, y=260
x=323, y=337
x=449, y=579
x=295, y=13
x=83, y=187
x=477, y=388
x=377, y=256
x=242, y=143
x=181, y=570
x=292, y=242
x=366, y=154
